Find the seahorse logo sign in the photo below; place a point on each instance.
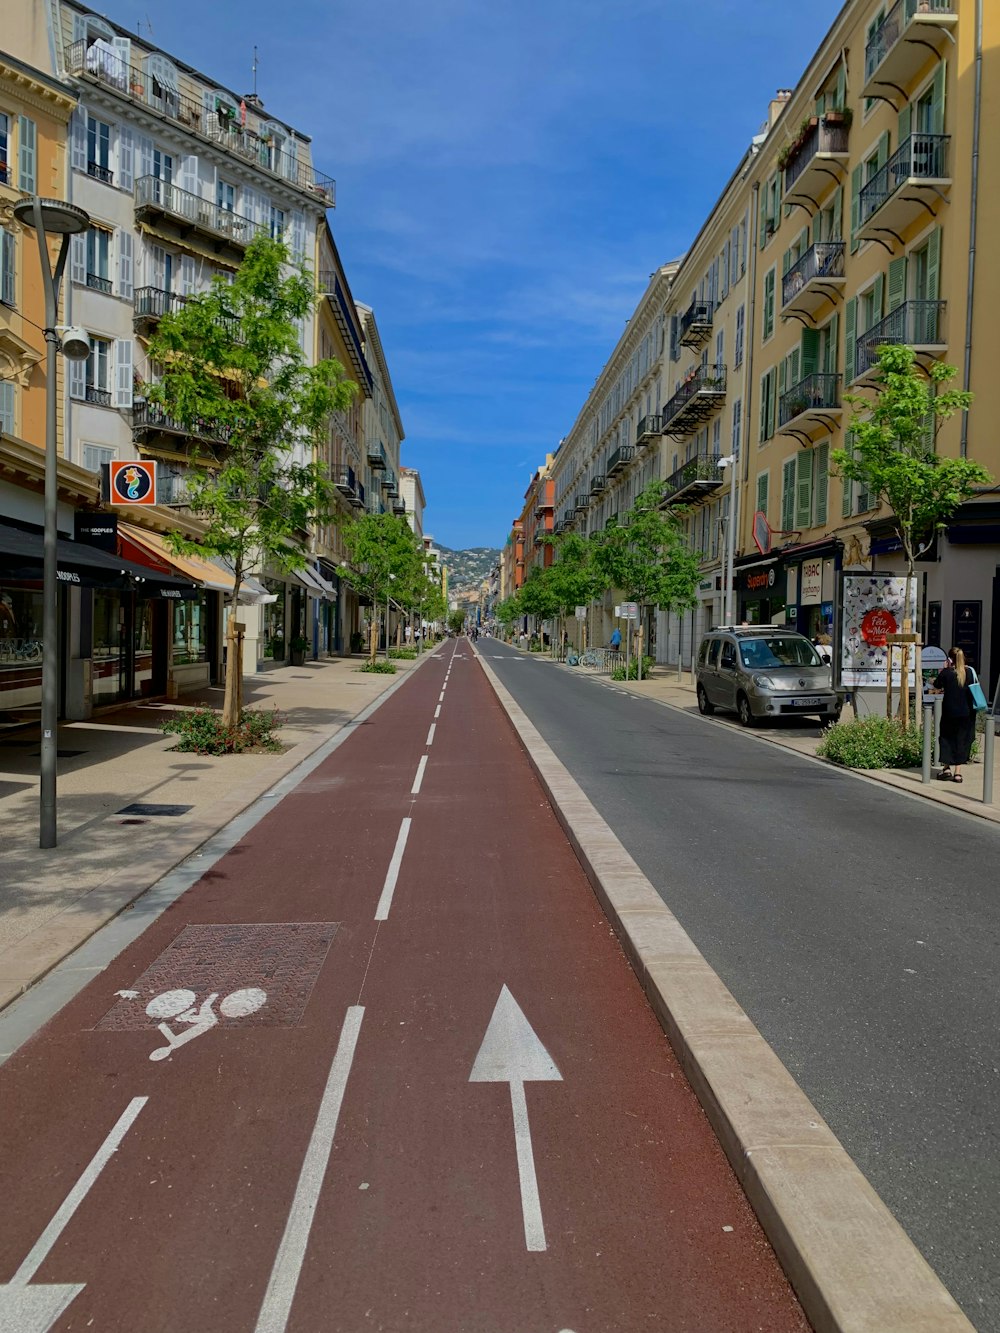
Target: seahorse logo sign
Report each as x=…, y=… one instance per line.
x=133, y=483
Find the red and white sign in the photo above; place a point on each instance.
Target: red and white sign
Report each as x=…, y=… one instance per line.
x=876, y=625
x=133, y=483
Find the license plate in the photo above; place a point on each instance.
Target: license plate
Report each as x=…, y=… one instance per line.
x=807, y=703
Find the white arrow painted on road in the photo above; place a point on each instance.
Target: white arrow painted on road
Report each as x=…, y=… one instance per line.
x=25, y=1309
x=511, y=1053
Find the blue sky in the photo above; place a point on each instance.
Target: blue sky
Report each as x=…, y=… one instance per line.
x=508, y=176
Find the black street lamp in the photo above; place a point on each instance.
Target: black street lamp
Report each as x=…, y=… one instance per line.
x=52, y=217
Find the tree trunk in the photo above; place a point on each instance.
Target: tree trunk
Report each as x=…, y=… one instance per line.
x=232, y=706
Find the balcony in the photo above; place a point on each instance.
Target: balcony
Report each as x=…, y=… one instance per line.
x=350, y=488
x=696, y=401
x=650, y=428
x=621, y=457
x=582, y=503
x=399, y=505
x=811, y=405
x=389, y=486
x=254, y=142
x=568, y=518
x=96, y=283
x=376, y=457
x=695, y=481
x=99, y=397
x=99, y=173
x=696, y=324
x=150, y=421
x=816, y=161
x=903, y=43
x=171, y=488
x=815, y=280
x=150, y=304
x=597, y=483
x=908, y=187
x=917, y=324
x=611, y=521
x=157, y=201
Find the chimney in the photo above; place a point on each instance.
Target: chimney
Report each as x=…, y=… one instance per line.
x=777, y=105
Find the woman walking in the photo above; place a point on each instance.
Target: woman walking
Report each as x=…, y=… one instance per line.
x=958, y=716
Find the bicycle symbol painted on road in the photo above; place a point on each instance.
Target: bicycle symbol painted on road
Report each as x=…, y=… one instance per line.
x=179, y=1006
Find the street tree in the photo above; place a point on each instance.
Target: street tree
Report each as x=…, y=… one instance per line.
x=229, y=369
x=576, y=578
x=893, y=453
x=456, y=621
x=380, y=550
x=538, y=596
x=508, y=610
x=648, y=558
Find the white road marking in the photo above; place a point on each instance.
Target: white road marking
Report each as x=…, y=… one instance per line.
x=179, y=1006
x=392, y=874
x=441, y=697
x=36, y=1309
x=511, y=1053
x=437, y=711
x=430, y=734
x=280, y=1294
x=415, y=789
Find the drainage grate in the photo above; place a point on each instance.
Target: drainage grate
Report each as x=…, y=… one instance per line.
x=138, y=808
x=284, y=960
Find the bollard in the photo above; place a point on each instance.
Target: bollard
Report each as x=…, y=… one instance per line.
x=989, y=739
x=938, y=705
x=925, y=775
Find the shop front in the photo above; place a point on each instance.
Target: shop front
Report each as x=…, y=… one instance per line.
x=811, y=576
x=760, y=590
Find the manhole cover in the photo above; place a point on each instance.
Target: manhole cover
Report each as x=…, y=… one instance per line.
x=282, y=960
x=138, y=808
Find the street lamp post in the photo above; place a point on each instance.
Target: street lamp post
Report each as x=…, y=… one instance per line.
x=51, y=217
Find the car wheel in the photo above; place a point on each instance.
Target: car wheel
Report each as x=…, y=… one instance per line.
x=830, y=719
x=743, y=708
x=705, y=704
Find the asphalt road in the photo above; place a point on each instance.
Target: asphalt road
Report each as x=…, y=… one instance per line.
x=384, y=1066
x=859, y=928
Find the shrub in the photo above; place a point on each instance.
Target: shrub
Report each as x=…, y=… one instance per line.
x=632, y=671
x=873, y=742
x=406, y=654
x=200, y=731
x=380, y=667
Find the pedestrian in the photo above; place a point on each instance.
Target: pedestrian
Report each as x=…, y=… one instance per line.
x=958, y=716
x=616, y=638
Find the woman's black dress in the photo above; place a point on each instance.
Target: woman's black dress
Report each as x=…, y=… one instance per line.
x=958, y=718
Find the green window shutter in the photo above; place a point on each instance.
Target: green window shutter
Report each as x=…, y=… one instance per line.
x=793, y=368
x=832, y=345
x=822, y=483
x=772, y=404
x=838, y=215
x=763, y=216
x=883, y=149
x=762, y=423
x=933, y=264
x=762, y=494
x=879, y=290
x=897, y=283
x=786, y=262
x=788, y=495
x=769, y=303
x=783, y=380
x=864, y=499
x=27, y=155
x=855, y=206
x=937, y=100
x=803, y=241
x=803, y=489
x=847, y=500
x=810, y=352
x=905, y=118
x=841, y=87
x=850, y=338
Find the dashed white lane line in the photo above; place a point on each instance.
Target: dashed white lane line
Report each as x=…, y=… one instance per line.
x=430, y=734
x=441, y=697
x=392, y=874
x=280, y=1294
x=437, y=712
x=415, y=789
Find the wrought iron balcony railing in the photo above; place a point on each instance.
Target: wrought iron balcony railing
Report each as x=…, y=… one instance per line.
x=697, y=478
x=150, y=419
x=699, y=396
x=825, y=259
x=824, y=137
x=920, y=156
x=889, y=31
x=101, y=397
x=150, y=304
x=376, y=456
x=597, y=483
x=582, y=502
x=649, y=428
x=153, y=195
x=100, y=173
x=914, y=323
x=622, y=456
x=99, y=284
x=696, y=324
x=816, y=393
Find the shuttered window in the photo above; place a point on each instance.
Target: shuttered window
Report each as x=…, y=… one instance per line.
x=788, y=495
x=27, y=156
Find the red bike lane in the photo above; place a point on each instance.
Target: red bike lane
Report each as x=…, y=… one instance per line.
x=452, y=1111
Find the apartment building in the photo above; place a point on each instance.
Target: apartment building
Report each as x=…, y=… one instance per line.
x=537, y=518
x=411, y=491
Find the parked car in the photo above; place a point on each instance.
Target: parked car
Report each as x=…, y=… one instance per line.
x=764, y=671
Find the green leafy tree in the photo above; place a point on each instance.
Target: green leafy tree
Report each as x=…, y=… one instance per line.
x=576, y=578
x=648, y=557
x=538, y=596
x=894, y=454
x=380, y=550
x=508, y=611
x=456, y=621
x=230, y=370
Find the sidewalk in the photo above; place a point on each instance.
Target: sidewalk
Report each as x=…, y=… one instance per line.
x=804, y=735
x=52, y=901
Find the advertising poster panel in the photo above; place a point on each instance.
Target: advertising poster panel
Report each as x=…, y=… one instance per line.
x=873, y=609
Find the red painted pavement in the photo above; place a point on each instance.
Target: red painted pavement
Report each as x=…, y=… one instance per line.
x=419, y=1224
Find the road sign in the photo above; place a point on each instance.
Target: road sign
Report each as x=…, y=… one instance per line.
x=511, y=1053
x=618, y=613
x=761, y=532
x=581, y=613
x=630, y=610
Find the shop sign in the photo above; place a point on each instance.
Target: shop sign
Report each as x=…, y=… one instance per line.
x=812, y=582
x=132, y=483
x=581, y=613
x=100, y=530
x=967, y=629
x=759, y=582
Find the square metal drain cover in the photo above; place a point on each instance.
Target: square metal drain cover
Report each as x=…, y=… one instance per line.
x=139, y=808
x=282, y=960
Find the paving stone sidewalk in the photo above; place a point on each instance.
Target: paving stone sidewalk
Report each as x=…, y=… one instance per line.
x=52, y=901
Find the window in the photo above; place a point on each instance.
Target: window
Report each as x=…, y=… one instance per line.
x=4, y=150
x=96, y=455
x=788, y=495
x=99, y=150
x=225, y=196
x=163, y=166
x=768, y=405
x=97, y=379
x=770, y=208
x=99, y=259
x=762, y=479
x=8, y=391
x=27, y=155
x=277, y=223
x=768, y=317
x=737, y=427
x=8, y=288
x=738, y=341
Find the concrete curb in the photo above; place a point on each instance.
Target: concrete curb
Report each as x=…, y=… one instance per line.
x=33, y=957
x=852, y=1266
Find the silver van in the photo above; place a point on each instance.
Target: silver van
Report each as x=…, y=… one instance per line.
x=762, y=671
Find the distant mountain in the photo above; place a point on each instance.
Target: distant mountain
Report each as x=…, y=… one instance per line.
x=467, y=569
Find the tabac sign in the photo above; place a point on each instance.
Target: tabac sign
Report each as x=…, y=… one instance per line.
x=132, y=483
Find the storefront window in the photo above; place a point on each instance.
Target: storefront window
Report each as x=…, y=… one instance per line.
x=107, y=647
x=274, y=622
x=20, y=647
x=143, y=643
x=191, y=631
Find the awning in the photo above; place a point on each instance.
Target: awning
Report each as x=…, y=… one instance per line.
x=22, y=555
x=313, y=582
x=200, y=569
